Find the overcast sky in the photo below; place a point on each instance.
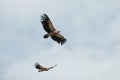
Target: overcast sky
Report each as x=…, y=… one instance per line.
x=92, y=50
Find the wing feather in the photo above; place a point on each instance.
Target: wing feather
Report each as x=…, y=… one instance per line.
x=47, y=24
x=38, y=66
x=59, y=38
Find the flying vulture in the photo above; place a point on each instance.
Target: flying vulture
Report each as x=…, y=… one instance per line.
x=51, y=31
x=42, y=68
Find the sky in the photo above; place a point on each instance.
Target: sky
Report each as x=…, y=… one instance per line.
x=91, y=27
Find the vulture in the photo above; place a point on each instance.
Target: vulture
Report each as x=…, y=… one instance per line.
x=51, y=31
x=42, y=68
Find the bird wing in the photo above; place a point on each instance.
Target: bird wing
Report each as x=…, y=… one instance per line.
x=38, y=66
x=52, y=66
x=59, y=38
x=46, y=23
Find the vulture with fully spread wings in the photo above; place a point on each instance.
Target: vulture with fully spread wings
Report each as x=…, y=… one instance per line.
x=51, y=31
x=42, y=68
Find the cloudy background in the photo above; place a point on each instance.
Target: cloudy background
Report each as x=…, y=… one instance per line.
x=92, y=29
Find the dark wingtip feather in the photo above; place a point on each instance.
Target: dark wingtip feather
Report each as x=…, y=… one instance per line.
x=44, y=17
x=37, y=65
x=63, y=42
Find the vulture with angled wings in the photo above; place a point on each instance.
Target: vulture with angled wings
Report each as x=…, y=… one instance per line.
x=51, y=31
x=42, y=68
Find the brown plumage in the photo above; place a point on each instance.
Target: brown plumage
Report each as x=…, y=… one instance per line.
x=42, y=68
x=51, y=31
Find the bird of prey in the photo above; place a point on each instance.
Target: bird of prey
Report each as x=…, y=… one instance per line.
x=51, y=31
x=42, y=68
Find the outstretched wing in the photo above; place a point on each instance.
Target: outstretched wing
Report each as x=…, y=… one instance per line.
x=47, y=24
x=59, y=38
x=52, y=66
